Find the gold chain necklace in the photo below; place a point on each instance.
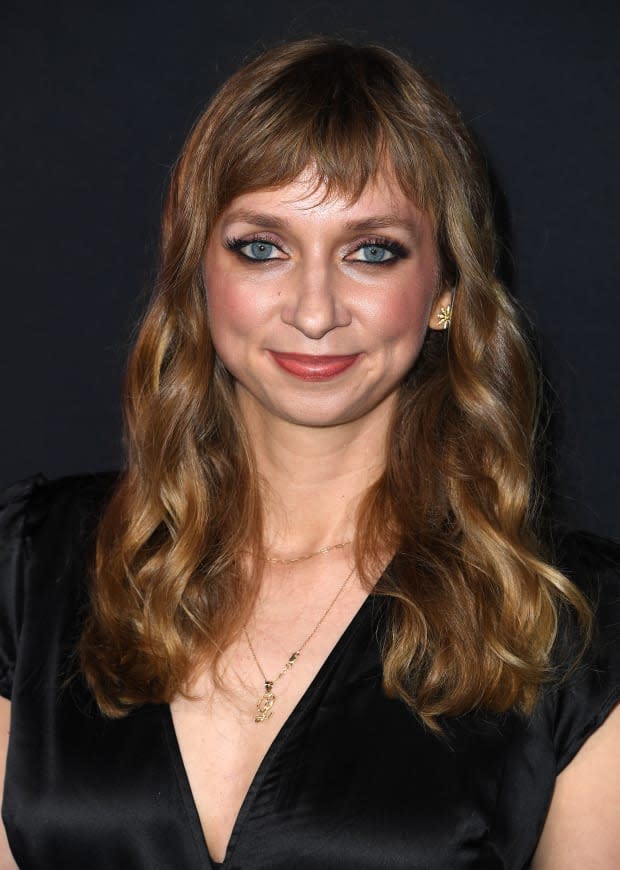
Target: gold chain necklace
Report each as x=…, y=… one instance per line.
x=267, y=700
x=320, y=552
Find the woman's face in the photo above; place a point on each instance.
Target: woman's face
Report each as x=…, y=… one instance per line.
x=318, y=306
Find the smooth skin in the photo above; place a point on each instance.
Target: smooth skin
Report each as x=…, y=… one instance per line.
x=333, y=278
x=291, y=271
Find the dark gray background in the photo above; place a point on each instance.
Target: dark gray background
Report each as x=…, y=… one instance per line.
x=97, y=98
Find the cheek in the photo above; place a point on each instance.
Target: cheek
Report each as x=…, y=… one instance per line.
x=404, y=315
x=233, y=307
x=402, y=307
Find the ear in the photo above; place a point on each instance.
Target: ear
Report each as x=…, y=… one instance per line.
x=441, y=311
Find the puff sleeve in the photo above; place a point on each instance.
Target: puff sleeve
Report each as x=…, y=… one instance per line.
x=580, y=703
x=13, y=560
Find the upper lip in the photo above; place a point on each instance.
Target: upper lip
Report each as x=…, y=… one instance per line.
x=313, y=357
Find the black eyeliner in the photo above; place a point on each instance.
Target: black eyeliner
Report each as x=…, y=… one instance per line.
x=236, y=243
x=399, y=251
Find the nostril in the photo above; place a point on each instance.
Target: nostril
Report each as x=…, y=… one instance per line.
x=315, y=308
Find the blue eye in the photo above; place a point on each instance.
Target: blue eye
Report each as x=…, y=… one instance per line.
x=375, y=253
x=259, y=250
x=379, y=251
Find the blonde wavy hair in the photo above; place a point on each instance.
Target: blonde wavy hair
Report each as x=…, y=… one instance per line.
x=474, y=602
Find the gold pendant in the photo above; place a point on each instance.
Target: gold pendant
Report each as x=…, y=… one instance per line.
x=265, y=703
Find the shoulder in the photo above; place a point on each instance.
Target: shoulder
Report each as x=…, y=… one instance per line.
x=589, y=685
x=587, y=559
x=581, y=826
x=42, y=495
x=592, y=563
x=37, y=507
x=46, y=531
x=580, y=829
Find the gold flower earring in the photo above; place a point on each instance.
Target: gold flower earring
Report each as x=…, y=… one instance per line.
x=445, y=316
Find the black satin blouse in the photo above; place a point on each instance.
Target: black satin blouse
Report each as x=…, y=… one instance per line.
x=351, y=782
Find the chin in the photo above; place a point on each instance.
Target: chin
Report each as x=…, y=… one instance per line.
x=313, y=416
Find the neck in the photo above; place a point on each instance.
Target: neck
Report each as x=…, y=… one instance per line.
x=314, y=477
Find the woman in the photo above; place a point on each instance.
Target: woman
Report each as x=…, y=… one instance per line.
x=321, y=629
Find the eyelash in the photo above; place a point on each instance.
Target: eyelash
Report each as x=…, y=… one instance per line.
x=398, y=251
x=235, y=244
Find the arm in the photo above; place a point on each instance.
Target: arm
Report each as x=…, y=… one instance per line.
x=6, y=858
x=582, y=829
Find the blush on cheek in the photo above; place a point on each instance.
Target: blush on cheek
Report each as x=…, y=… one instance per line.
x=233, y=299
x=227, y=309
x=408, y=313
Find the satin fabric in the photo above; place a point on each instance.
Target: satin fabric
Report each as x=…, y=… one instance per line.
x=352, y=781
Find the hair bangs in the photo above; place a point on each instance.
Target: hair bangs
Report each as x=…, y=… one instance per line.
x=324, y=135
x=345, y=117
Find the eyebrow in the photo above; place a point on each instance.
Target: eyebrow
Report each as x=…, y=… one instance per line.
x=373, y=222
x=255, y=217
x=382, y=221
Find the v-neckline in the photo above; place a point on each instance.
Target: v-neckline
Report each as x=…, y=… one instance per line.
x=273, y=750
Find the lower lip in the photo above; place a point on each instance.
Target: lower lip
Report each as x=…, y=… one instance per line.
x=314, y=368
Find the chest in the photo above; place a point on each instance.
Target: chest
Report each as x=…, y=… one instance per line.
x=226, y=729
x=348, y=779
x=222, y=747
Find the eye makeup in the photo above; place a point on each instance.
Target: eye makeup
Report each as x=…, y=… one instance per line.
x=263, y=248
x=375, y=249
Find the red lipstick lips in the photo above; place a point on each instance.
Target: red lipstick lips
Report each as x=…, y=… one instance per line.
x=309, y=367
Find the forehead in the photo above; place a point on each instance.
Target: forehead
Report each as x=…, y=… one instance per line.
x=310, y=198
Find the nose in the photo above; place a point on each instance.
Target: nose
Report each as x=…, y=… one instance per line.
x=314, y=303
